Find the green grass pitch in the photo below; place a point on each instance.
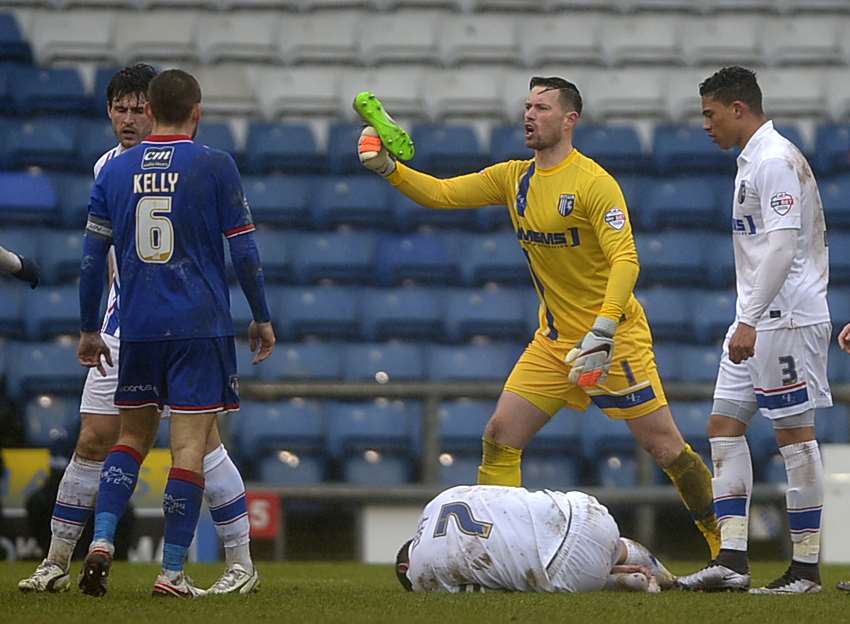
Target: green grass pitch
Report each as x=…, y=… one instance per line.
x=350, y=592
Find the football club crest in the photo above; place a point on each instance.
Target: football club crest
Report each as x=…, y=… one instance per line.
x=566, y=203
x=742, y=192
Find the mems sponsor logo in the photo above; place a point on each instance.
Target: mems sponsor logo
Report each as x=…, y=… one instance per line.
x=570, y=238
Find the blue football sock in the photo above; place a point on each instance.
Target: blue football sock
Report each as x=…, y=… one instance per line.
x=182, y=506
x=118, y=479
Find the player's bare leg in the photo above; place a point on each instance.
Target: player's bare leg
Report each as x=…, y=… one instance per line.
x=182, y=501
x=658, y=435
x=77, y=491
x=118, y=481
x=513, y=424
x=225, y=495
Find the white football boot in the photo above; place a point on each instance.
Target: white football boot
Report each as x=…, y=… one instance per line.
x=714, y=577
x=236, y=580
x=179, y=586
x=48, y=577
x=788, y=583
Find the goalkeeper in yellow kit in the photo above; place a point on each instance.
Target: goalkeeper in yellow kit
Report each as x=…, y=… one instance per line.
x=593, y=343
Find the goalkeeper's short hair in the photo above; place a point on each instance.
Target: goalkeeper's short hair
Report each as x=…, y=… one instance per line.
x=567, y=91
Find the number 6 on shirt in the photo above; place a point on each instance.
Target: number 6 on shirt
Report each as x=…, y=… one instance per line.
x=154, y=232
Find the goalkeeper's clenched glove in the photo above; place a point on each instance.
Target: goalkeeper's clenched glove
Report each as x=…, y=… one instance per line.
x=29, y=271
x=373, y=154
x=591, y=358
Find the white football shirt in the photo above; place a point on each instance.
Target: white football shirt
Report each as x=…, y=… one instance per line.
x=111, y=324
x=775, y=189
x=487, y=537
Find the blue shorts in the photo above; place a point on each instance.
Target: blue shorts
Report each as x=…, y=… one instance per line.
x=190, y=376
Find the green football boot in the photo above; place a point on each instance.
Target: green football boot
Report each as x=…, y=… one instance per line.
x=395, y=139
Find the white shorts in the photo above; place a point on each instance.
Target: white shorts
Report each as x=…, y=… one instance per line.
x=787, y=375
x=590, y=550
x=99, y=392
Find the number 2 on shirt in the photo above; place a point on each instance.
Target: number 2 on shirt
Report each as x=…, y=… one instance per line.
x=154, y=231
x=466, y=522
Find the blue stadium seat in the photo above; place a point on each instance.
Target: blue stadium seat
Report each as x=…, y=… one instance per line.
x=13, y=47
x=412, y=313
x=295, y=425
x=674, y=258
x=447, y=149
x=490, y=362
x=61, y=253
x=102, y=76
x=692, y=418
x=459, y=469
x=531, y=310
x=667, y=360
x=839, y=258
x=25, y=241
x=54, y=90
x=761, y=439
x=719, y=261
x=306, y=361
x=287, y=468
x=11, y=317
x=240, y=312
x=342, y=152
x=699, y=364
x=275, y=255
x=839, y=307
x=617, y=470
x=713, y=312
x=73, y=193
x=838, y=365
x=792, y=133
x=7, y=103
x=344, y=257
x=408, y=215
x=508, y=143
x=94, y=138
x=492, y=218
x=462, y=424
x=43, y=368
x=495, y=257
x=377, y=469
x=560, y=435
x=835, y=195
x=50, y=418
x=551, y=472
x=326, y=312
x=425, y=258
x=386, y=426
x=680, y=203
x=27, y=198
x=401, y=361
x=635, y=189
x=688, y=149
x=273, y=146
x=496, y=313
x=600, y=434
x=832, y=148
x=280, y=200
x=667, y=312
x=615, y=147
x=218, y=134
x=52, y=312
x=772, y=470
x=251, y=372
x=43, y=142
x=355, y=200
x=833, y=424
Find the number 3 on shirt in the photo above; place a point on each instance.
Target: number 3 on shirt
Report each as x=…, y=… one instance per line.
x=154, y=232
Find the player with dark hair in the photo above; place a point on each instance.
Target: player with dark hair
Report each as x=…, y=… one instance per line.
x=593, y=343
x=775, y=352
x=126, y=95
x=19, y=267
x=486, y=538
x=165, y=205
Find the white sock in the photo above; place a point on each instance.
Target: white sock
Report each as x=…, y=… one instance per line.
x=74, y=506
x=804, y=498
x=225, y=496
x=732, y=486
x=9, y=262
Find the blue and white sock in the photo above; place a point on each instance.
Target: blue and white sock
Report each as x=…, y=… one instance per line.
x=732, y=486
x=182, y=506
x=804, y=498
x=73, y=508
x=225, y=496
x=118, y=479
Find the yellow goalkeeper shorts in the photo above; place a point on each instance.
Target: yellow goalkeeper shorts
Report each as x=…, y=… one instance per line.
x=632, y=389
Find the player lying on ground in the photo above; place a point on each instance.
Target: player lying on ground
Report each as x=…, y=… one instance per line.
x=775, y=352
x=493, y=538
x=593, y=343
x=224, y=490
x=19, y=267
x=165, y=205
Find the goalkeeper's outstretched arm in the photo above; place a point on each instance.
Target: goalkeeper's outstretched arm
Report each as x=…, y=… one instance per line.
x=467, y=191
x=24, y=269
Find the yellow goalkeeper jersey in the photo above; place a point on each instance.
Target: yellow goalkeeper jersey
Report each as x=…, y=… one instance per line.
x=572, y=224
